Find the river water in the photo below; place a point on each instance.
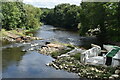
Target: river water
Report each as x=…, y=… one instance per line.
x=31, y=64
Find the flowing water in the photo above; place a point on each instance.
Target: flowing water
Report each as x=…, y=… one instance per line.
x=31, y=64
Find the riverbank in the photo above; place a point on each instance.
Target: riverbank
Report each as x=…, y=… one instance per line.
x=17, y=35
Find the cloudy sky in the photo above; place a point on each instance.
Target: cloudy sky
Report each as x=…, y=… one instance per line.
x=50, y=3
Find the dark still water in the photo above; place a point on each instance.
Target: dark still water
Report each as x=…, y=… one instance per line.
x=31, y=64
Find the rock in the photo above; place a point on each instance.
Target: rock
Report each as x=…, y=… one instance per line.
x=26, y=38
x=115, y=75
x=37, y=38
x=111, y=78
x=47, y=64
x=97, y=76
x=54, y=45
x=63, y=55
x=88, y=73
x=105, y=78
x=47, y=43
x=61, y=67
x=65, y=67
x=97, y=70
x=31, y=38
x=70, y=62
x=117, y=71
x=23, y=38
x=31, y=45
x=73, y=69
x=92, y=69
x=36, y=44
x=24, y=50
x=18, y=39
x=25, y=43
x=47, y=50
x=63, y=64
x=31, y=49
x=34, y=38
x=79, y=74
x=54, y=65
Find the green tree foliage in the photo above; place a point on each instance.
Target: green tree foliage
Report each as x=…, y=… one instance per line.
x=113, y=20
x=32, y=16
x=11, y=15
x=63, y=15
x=93, y=16
x=1, y=16
x=89, y=15
x=48, y=16
x=101, y=15
x=20, y=15
x=45, y=12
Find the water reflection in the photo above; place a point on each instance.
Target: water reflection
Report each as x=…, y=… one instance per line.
x=32, y=65
x=11, y=56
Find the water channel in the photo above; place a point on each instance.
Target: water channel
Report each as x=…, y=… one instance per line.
x=31, y=64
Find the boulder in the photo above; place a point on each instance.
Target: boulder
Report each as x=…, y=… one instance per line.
x=47, y=64
x=24, y=50
x=115, y=75
x=54, y=65
x=18, y=39
x=36, y=38
x=54, y=45
x=117, y=71
x=63, y=55
x=31, y=49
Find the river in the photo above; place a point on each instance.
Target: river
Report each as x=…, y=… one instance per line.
x=31, y=64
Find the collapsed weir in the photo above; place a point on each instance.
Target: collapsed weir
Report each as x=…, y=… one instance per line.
x=91, y=56
x=89, y=63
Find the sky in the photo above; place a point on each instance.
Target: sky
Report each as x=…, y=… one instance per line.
x=50, y=3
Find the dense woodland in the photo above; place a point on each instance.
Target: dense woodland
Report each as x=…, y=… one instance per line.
x=83, y=18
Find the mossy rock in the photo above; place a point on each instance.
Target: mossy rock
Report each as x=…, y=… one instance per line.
x=76, y=56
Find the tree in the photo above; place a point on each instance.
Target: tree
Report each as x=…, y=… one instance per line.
x=20, y=15
x=11, y=15
x=101, y=15
x=63, y=15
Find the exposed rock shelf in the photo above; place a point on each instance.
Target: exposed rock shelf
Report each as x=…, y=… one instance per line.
x=16, y=36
